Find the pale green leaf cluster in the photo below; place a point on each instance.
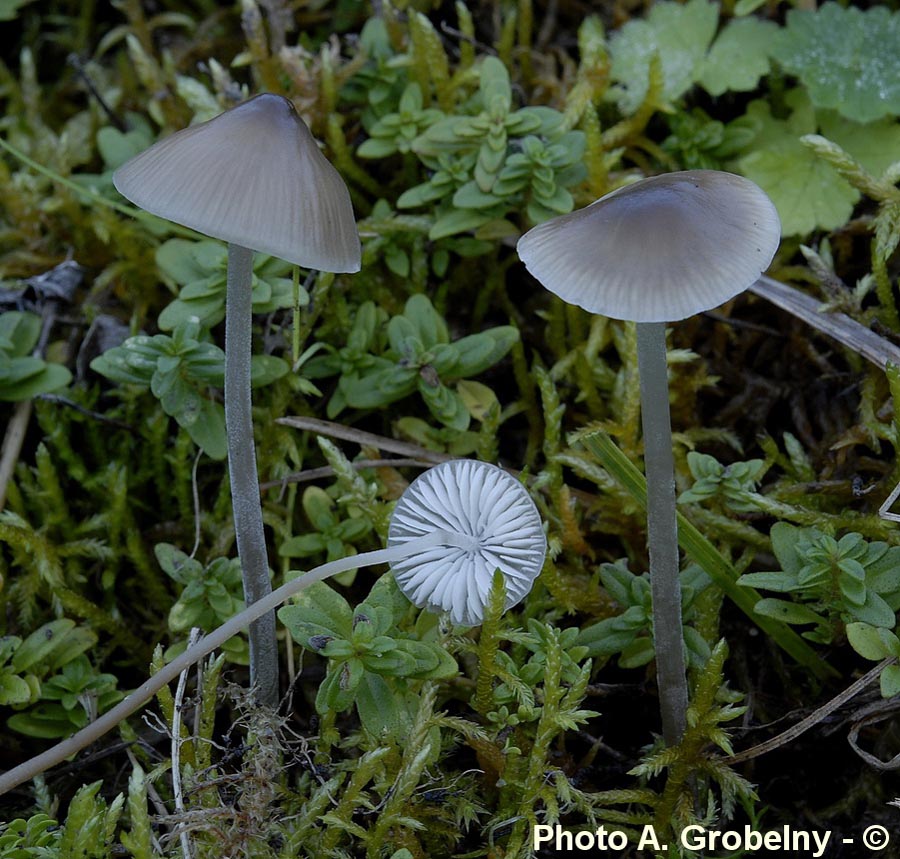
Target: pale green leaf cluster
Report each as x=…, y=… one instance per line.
x=845, y=57
x=178, y=370
x=199, y=270
x=832, y=581
x=372, y=664
x=210, y=594
x=734, y=485
x=630, y=632
x=414, y=353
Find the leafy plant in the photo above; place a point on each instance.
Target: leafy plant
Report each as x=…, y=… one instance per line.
x=24, y=664
x=807, y=191
x=734, y=485
x=420, y=357
x=333, y=535
x=353, y=359
x=68, y=701
x=712, y=705
x=395, y=132
x=23, y=375
x=211, y=594
x=177, y=369
x=519, y=677
x=199, y=268
x=49, y=674
x=845, y=57
x=678, y=34
x=90, y=825
x=487, y=164
x=372, y=665
x=630, y=633
x=702, y=143
x=23, y=838
x=539, y=171
x=834, y=581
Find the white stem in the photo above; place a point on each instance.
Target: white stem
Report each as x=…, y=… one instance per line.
x=248, y=522
x=662, y=529
x=177, y=790
x=215, y=639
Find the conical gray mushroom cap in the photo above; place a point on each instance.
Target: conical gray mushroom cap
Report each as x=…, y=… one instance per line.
x=659, y=250
x=252, y=176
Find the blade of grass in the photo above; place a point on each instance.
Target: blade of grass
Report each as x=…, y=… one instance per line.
x=699, y=549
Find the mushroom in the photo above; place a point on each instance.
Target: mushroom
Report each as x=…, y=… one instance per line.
x=659, y=250
x=481, y=519
x=501, y=528
x=255, y=178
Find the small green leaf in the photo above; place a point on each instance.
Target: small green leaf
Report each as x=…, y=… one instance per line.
x=265, y=369
x=446, y=405
x=42, y=378
x=185, y=262
x=381, y=710
x=14, y=690
x=322, y=602
x=478, y=399
x=51, y=638
x=19, y=332
x=302, y=546
x=775, y=581
x=638, y=653
x=469, y=196
x=786, y=612
x=890, y=681
x=870, y=642
x=739, y=57
x=875, y=611
x=458, y=221
x=207, y=428
x=376, y=148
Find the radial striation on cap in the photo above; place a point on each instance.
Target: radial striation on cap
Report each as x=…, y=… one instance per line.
x=493, y=512
x=659, y=250
x=252, y=176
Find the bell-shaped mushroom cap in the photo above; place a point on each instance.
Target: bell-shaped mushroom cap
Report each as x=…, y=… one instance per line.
x=252, y=176
x=495, y=515
x=659, y=250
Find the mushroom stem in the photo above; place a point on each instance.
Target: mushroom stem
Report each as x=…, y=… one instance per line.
x=267, y=604
x=662, y=529
x=248, y=523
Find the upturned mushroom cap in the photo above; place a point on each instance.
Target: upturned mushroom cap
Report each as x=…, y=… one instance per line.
x=501, y=528
x=659, y=250
x=252, y=176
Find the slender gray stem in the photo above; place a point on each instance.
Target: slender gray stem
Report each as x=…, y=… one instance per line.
x=248, y=523
x=662, y=529
x=96, y=729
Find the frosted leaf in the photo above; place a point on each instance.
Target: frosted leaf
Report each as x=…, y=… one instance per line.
x=848, y=59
